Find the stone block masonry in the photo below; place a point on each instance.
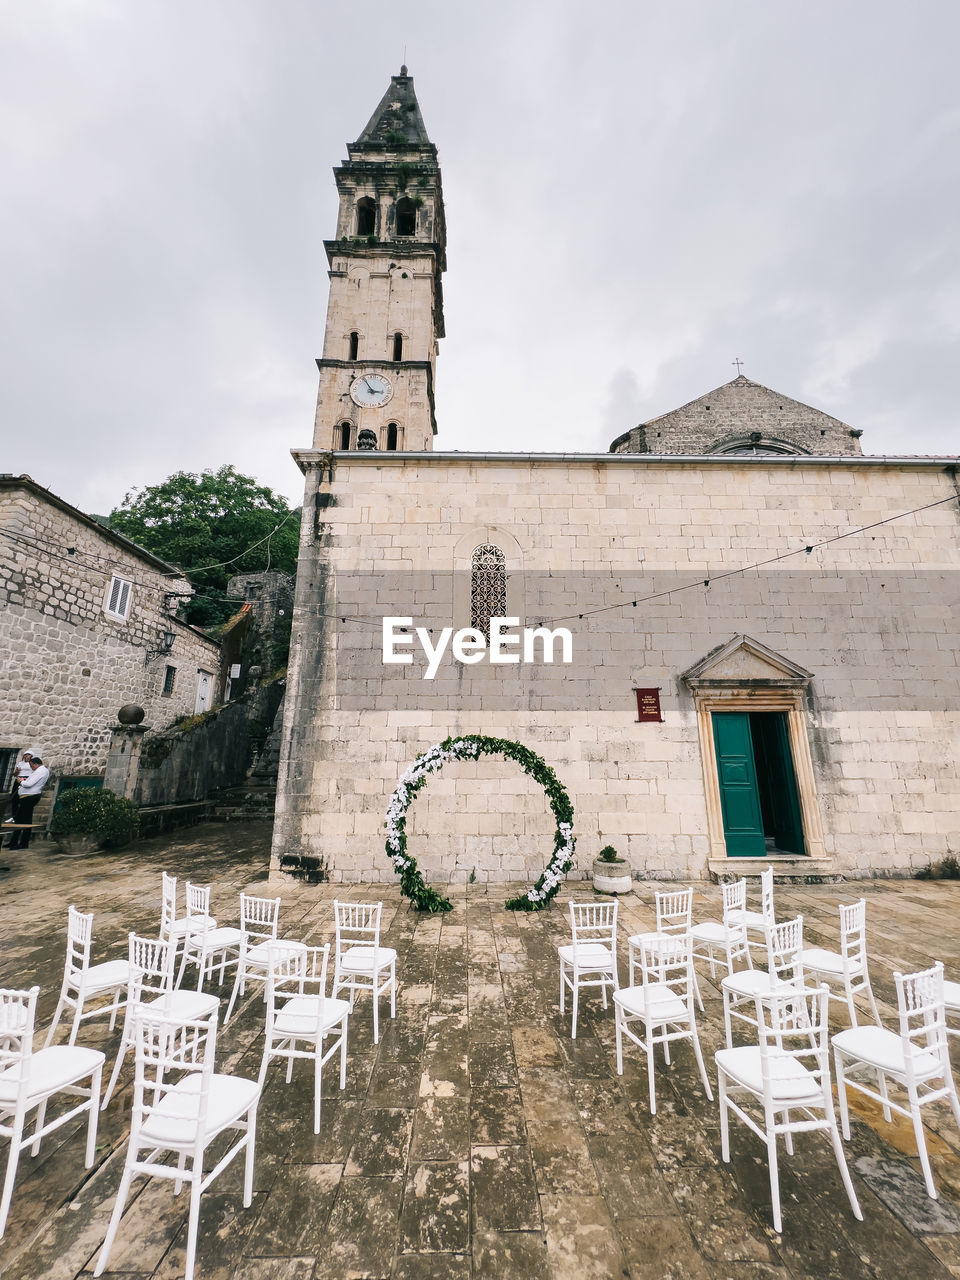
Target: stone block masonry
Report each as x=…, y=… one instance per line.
x=869, y=617
x=66, y=663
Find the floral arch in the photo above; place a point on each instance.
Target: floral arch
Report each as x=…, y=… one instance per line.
x=470, y=747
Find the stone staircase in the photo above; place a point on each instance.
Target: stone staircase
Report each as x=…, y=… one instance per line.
x=256, y=796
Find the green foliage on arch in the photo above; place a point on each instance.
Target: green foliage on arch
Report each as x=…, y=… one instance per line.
x=471, y=747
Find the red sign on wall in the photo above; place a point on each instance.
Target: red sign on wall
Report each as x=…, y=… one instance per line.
x=648, y=705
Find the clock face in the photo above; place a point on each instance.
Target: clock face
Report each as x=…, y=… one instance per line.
x=371, y=390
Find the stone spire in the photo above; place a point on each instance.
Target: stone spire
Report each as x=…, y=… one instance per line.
x=397, y=120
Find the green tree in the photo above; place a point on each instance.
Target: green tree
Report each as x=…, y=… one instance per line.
x=212, y=526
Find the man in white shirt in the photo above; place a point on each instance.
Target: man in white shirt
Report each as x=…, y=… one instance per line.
x=28, y=797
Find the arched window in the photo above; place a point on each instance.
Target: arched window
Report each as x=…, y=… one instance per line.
x=354, y=345
x=393, y=435
x=488, y=586
x=398, y=346
x=406, y=217
x=343, y=432
x=366, y=216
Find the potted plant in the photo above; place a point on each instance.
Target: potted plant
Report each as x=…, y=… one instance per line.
x=611, y=873
x=88, y=818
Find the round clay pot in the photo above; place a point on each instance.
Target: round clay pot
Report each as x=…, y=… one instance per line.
x=612, y=877
x=78, y=842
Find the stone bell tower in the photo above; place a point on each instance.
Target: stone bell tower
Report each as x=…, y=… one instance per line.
x=385, y=313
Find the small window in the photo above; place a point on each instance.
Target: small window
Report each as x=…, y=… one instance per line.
x=118, y=598
x=354, y=345
x=406, y=217
x=366, y=216
x=488, y=586
x=344, y=434
x=398, y=347
x=393, y=434
x=169, y=680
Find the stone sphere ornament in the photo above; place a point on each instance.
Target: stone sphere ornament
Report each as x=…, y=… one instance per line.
x=130, y=713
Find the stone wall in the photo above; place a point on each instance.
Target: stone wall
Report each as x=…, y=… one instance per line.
x=742, y=415
x=191, y=762
x=65, y=666
x=869, y=616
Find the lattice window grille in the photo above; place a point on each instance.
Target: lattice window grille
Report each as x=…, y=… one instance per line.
x=488, y=587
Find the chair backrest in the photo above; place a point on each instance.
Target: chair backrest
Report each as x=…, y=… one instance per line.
x=594, y=922
x=18, y=1012
x=923, y=1018
x=766, y=895
x=734, y=894
x=794, y=1040
x=784, y=945
x=169, y=1050
x=357, y=924
x=293, y=973
x=853, y=934
x=674, y=911
x=259, y=917
x=198, y=899
x=153, y=958
x=666, y=960
x=168, y=903
x=79, y=937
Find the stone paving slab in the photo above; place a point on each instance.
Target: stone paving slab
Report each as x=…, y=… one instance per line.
x=476, y=1141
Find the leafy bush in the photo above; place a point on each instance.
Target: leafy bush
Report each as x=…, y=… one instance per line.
x=947, y=868
x=92, y=811
x=608, y=854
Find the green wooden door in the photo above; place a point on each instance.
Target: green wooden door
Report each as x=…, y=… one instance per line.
x=739, y=795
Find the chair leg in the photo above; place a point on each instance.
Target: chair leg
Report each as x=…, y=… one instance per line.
x=696, y=988
x=376, y=1010
x=95, y=1081
x=181, y=1165
x=61, y=1004
x=317, y=1087
x=844, y=1171
x=11, y=1174
x=650, y=1072
x=882, y=1081
x=617, y=1019
x=727, y=1018
x=842, y=1094
x=113, y=1009
x=724, y=1118
x=238, y=985
x=873, y=1004
x=576, y=1002
x=122, y=1194
x=561, y=987
x=922, y=1148
x=393, y=988
x=343, y=1054
x=788, y=1136
x=700, y=1063
x=41, y=1116
x=77, y=1012
x=774, y=1180
x=193, y=1222
x=850, y=1005
x=249, y=1154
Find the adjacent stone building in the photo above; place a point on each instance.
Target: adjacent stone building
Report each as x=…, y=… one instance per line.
x=87, y=624
x=762, y=622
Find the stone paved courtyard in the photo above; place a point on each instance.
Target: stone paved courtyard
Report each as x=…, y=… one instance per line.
x=476, y=1139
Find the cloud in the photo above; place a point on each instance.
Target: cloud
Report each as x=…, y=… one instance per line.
x=636, y=194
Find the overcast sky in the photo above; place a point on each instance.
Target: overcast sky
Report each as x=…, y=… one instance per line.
x=636, y=194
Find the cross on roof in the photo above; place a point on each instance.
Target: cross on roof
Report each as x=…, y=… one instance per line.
x=739, y=363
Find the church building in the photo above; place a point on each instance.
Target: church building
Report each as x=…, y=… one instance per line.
x=742, y=639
